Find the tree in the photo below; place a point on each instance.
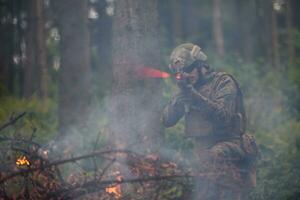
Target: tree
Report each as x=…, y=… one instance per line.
x=101, y=44
x=29, y=69
x=165, y=15
x=74, y=75
x=266, y=27
x=41, y=48
x=135, y=103
x=4, y=41
x=35, y=75
x=12, y=36
x=289, y=23
x=217, y=28
x=190, y=20
x=274, y=36
x=246, y=16
x=177, y=19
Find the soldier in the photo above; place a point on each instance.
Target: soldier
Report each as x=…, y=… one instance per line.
x=212, y=105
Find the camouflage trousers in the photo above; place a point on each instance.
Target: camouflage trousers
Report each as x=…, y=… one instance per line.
x=219, y=171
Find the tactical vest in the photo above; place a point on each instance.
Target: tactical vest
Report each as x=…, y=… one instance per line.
x=200, y=123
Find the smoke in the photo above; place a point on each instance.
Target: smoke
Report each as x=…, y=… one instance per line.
x=124, y=119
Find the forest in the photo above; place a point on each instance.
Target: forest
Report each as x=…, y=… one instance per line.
x=80, y=116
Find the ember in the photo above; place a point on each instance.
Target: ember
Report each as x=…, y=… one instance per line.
x=22, y=161
x=116, y=188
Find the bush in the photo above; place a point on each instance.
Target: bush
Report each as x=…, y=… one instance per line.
x=40, y=117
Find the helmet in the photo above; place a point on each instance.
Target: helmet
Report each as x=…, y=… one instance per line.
x=185, y=55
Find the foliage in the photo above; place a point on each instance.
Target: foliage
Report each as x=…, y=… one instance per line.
x=278, y=169
x=271, y=96
x=276, y=130
x=41, y=117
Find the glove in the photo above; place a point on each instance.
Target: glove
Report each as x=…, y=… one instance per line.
x=191, y=93
x=183, y=99
x=194, y=94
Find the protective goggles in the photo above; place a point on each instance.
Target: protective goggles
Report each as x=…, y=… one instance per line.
x=187, y=69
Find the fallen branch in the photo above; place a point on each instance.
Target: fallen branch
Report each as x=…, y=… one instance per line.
x=4, y=138
x=12, y=121
x=96, y=185
x=60, y=162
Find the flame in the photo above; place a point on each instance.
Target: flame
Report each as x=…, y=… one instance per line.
x=116, y=188
x=22, y=161
x=148, y=72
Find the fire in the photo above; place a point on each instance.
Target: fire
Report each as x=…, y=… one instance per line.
x=22, y=161
x=148, y=72
x=116, y=188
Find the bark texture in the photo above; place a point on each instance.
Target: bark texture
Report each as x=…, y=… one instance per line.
x=274, y=36
x=30, y=62
x=135, y=102
x=41, y=58
x=289, y=23
x=74, y=77
x=217, y=28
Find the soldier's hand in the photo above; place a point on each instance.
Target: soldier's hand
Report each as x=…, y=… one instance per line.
x=182, y=85
x=190, y=92
x=194, y=94
x=182, y=99
x=183, y=82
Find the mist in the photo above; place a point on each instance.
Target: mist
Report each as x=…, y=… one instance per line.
x=73, y=71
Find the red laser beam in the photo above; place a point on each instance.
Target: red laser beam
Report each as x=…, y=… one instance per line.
x=148, y=72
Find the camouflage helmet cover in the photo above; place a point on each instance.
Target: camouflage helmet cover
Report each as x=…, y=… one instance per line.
x=185, y=55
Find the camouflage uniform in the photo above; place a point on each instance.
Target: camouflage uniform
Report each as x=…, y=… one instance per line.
x=214, y=119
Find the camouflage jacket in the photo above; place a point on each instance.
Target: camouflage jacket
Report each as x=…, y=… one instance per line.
x=214, y=110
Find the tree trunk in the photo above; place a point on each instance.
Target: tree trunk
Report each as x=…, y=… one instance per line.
x=35, y=72
x=217, y=28
x=289, y=22
x=41, y=61
x=246, y=19
x=267, y=32
x=3, y=56
x=274, y=36
x=190, y=20
x=239, y=25
x=74, y=75
x=165, y=14
x=177, y=20
x=135, y=103
x=11, y=28
x=101, y=39
x=3, y=69
x=30, y=63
